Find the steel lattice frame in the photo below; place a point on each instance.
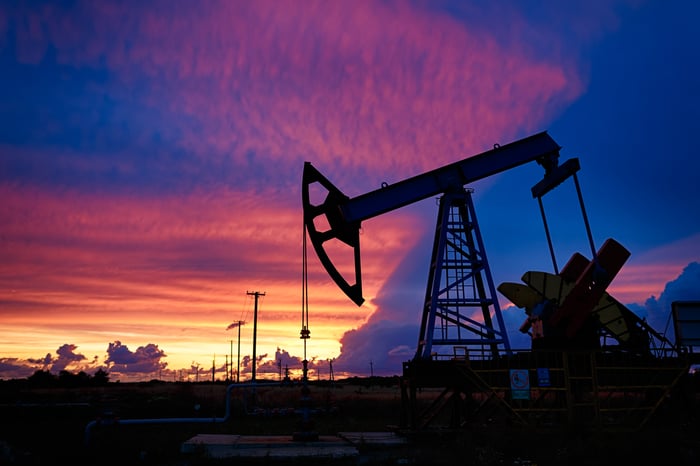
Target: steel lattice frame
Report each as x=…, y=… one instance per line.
x=461, y=309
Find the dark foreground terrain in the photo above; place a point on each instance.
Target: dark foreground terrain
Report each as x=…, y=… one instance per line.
x=90, y=425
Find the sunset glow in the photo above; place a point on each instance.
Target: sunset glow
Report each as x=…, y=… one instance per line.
x=151, y=158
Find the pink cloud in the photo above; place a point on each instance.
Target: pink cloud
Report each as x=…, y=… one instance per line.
x=647, y=274
x=273, y=79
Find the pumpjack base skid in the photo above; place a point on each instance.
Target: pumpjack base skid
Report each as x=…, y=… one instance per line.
x=582, y=390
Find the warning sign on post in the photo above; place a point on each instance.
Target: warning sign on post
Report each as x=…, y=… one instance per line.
x=520, y=384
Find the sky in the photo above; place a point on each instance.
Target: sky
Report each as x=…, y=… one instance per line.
x=151, y=156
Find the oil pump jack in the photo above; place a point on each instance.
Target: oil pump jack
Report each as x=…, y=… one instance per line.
x=567, y=312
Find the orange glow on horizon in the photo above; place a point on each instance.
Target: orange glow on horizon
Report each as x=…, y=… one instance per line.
x=84, y=291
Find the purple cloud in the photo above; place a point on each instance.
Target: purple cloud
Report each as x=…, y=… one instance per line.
x=146, y=359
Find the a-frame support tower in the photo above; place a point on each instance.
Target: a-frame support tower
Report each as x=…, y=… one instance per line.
x=461, y=309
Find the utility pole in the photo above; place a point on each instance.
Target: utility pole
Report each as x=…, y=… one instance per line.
x=238, y=354
x=238, y=324
x=257, y=295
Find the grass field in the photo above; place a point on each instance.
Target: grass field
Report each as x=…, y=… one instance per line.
x=57, y=426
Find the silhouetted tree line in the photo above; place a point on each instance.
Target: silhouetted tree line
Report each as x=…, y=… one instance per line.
x=66, y=379
x=375, y=380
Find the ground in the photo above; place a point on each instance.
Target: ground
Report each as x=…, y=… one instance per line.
x=90, y=425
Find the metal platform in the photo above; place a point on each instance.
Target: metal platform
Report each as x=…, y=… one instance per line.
x=281, y=447
x=220, y=446
x=543, y=390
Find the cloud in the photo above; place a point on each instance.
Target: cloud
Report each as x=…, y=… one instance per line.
x=229, y=88
x=403, y=351
x=653, y=269
x=145, y=360
x=45, y=362
x=372, y=347
x=395, y=320
x=66, y=359
x=657, y=310
x=283, y=360
x=66, y=356
x=15, y=368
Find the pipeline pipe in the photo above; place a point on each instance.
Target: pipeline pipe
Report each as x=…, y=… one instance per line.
x=180, y=420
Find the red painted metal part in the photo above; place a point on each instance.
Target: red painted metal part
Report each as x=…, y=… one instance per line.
x=590, y=286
